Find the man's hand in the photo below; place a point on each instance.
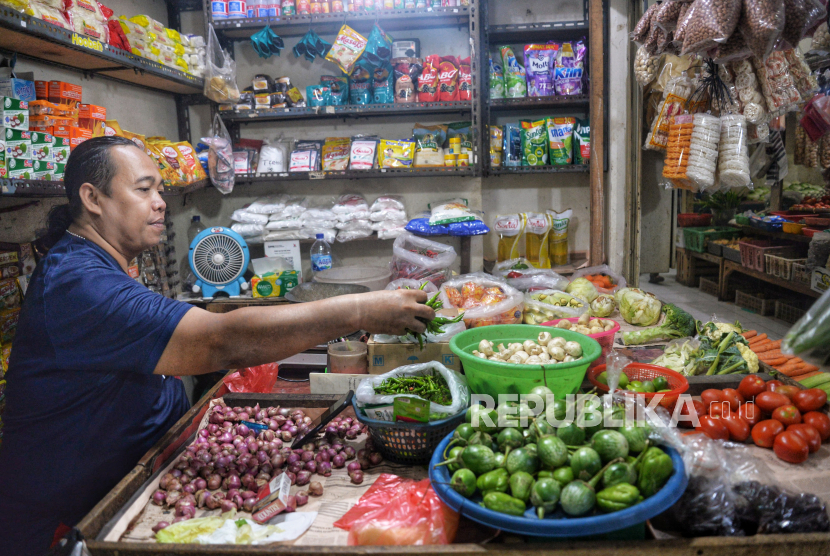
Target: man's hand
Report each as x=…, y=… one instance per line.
x=393, y=311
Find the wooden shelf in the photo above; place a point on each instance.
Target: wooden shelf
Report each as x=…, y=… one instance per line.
x=729, y=267
x=776, y=235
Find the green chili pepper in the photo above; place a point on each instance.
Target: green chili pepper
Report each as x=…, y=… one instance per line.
x=504, y=503
x=521, y=484
x=655, y=469
x=544, y=495
x=495, y=480
x=464, y=482
x=617, y=497
x=623, y=472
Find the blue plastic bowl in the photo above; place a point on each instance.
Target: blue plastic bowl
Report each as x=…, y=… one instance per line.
x=558, y=524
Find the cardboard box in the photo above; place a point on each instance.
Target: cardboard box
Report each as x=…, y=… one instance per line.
x=388, y=357
x=96, y=127
x=333, y=383
x=43, y=170
x=19, y=89
x=18, y=144
x=273, y=284
x=17, y=168
x=78, y=135
x=41, y=90
x=60, y=170
x=820, y=282
x=15, y=113
x=92, y=112
x=42, y=146
x=60, y=149
x=61, y=92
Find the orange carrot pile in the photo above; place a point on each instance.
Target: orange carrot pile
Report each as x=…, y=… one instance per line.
x=769, y=352
x=600, y=281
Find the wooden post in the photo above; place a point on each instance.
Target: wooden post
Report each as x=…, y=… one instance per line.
x=597, y=59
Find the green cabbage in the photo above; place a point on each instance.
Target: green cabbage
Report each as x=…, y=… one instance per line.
x=583, y=289
x=603, y=305
x=638, y=307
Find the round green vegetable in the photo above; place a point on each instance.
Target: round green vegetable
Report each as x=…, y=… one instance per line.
x=619, y=473
x=501, y=459
x=623, y=380
x=521, y=484
x=571, y=434
x=464, y=482
x=552, y=452
x=455, y=455
x=660, y=383
x=544, y=495
x=510, y=438
x=463, y=432
x=485, y=416
x=609, y=445
x=579, y=497
x=585, y=462
x=521, y=459
x=636, y=437
x=563, y=475
x=648, y=386
x=542, y=391
x=478, y=458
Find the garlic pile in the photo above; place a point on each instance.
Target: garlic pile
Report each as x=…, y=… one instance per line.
x=546, y=350
x=586, y=325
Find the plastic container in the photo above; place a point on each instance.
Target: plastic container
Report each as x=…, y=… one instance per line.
x=731, y=254
x=194, y=229
x=373, y=277
x=781, y=267
x=558, y=524
x=801, y=275
x=320, y=255
x=696, y=239
x=789, y=311
x=766, y=226
x=678, y=384
x=752, y=253
x=810, y=232
x=493, y=378
x=348, y=358
x=817, y=223
x=409, y=443
x=791, y=228
x=708, y=286
x=605, y=339
x=690, y=219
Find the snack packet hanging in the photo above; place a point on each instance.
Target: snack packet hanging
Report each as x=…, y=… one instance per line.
x=514, y=74
x=396, y=154
x=560, y=140
x=567, y=76
x=582, y=144
x=465, y=79
x=447, y=212
x=383, y=85
x=534, y=143
x=428, y=142
x=448, y=79
x=362, y=153
x=339, y=87
x=360, y=86
x=512, y=145
x=378, y=49
x=347, y=48
x=406, y=79
x=496, y=80
x=428, y=81
x=539, y=63
x=336, y=153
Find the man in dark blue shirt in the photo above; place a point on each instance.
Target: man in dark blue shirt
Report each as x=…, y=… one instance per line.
x=91, y=376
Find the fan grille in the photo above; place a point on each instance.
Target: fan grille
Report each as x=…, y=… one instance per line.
x=218, y=259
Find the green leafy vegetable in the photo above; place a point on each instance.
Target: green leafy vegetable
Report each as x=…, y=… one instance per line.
x=678, y=324
x=583, y=289
x=638, y=307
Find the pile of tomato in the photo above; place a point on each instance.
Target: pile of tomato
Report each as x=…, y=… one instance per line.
x=774, y=415
x=813, y=203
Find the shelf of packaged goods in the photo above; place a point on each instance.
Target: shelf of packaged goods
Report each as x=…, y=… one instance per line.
x=749, y=230
x=356, y=174
x=184, y=190
x=567, y=168
x=559, y=101
x=389, y=20
x=345, y=111
x=526, y=32
x=36, y=39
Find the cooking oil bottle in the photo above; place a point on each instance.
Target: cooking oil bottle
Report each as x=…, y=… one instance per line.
x=558, y=237
x=510, y=229
x=536, y=239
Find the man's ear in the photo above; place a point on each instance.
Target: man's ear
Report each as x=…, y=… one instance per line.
x=90, y=197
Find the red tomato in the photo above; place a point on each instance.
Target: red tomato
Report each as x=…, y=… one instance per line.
x=787, y=414
x=768, y=401
x=764, y=433
x=714, y=428
x=719, y=409
x=751, y=386
x=819, y=421
x=750, y=413
x=738, y=428
x=810, y=399
x=733, y=397
x=788, y=391
x=710, y=397
x=699, y=409
x=790, y=447
x=773, y=385
x=809, y=435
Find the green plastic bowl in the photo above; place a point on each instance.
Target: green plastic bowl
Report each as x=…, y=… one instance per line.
x=493, y=378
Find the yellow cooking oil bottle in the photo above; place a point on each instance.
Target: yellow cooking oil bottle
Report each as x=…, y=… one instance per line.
x=558, y=237
x=536, y=239
x=510, y=228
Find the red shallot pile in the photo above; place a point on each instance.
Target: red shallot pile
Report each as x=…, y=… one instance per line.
x=229, y=461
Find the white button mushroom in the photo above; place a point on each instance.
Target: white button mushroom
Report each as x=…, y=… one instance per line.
x=533, y=360
x=556, y=352
x=486, y=347
x=568, y=358
x=573, y=349
x=564, y=324
x=519, y=357
x=528, y=345
x=535, y=350
x=544, y=356
x=515, y=346
x=544, y=338
x=558, y=342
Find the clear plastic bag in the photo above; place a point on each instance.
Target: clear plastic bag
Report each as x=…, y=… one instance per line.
x=449, y=331
x=762, y=24
x=676, y=94
x=220, y=72
x=456, y=382
x=484, y=299
x=220, y=157
x=351, y=204
x=666, y=17
x=538, y=312
x=418, y=258
x=245, y=217
x=403, y=283
x=350, y=235
x=387, y=202
x=641, y=30
x=268, y=205
x=248, y=230
x=710, y=22
x=812, y=330
x=800, y=16
x=617, y=278
x=396, y=511
x=541, y=279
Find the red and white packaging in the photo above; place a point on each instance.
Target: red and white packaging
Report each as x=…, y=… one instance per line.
x=465, y=80
x=49, y=14
x=86, y=18
x=272, y=499
x=362, y=155
x=448, y=78
x=302, y=161
x=428, y=80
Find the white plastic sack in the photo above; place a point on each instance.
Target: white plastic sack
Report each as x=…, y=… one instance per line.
x=294, y=207
x=602, y=269
x=279, y=235
x=449, y=330
x=267, y=205
x=271, y=159
x=387, y=214
x=329, y=234
x=365, y=393
x=403, y=283
x=350, y=235
x=350, y=203
x=506, y=307
x=547, y=280
x=516, y=265
x=392, y=233
x=245, y=217
x=287, y=224
x=407, y=263
x=388, y=225
x=386, y=202
x=356, y=215
x=352, y=225
x=248, y=230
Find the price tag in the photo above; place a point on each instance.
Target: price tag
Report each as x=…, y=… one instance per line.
x=329, y=109
x=316, y=175
x=455, y=11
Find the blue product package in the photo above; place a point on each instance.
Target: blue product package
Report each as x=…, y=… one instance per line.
x=360, y=86
x=512, y=145
x=318, y=95
x=339, y=87
x=469, y=228
x=383, y=85
x=568, y=68
x=421, y=227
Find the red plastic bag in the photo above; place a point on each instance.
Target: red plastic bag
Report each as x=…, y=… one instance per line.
x=396, y=511
x=253, y=379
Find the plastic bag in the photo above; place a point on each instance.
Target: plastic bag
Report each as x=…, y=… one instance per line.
x=453, y=210
x=602, y=269
x=675, y=96
x=812, y=330
x=245, y=217
x=800, y=16
x=268, y=205
x=539, y=279
x=253, y=380
x=643, y=26
x=220, y=157
x=388, y=202
x=403, y=283
x=397, y=511
x=220, y=72
x=352, y=205
x=537, y=312
x=248, y=230
x=762, y=24
x=418, y=258
x=485, y=300
x=710, y=22
x=456, y=382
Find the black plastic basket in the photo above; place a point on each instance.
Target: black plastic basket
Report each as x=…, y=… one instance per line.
x=411, y=443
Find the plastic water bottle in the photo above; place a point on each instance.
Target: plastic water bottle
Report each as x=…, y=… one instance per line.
x=196, y=226
x=320, y=255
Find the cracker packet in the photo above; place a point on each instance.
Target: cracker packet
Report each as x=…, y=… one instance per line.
x=396, y=154
x=336, y=153
x=514, y=74
x=534, y=143
x=347, y=48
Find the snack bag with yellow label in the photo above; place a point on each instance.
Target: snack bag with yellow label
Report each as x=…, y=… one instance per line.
x=194, y=170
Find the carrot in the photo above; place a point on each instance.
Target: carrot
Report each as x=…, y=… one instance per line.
x=812, y=373
x=776, y=361
x=801, y=370
x=774, y=354
x=758, y=338
x=766, y=346
x=790, y=366
x=749, y=334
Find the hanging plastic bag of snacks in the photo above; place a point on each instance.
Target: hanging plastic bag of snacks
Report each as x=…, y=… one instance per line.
x=824, y=151
x=804, y=80
x=703, y=150
x=761, y=25
x=677, y=151
x=710, y=23
x=347, y=48
x=675, y=96
x=733, y=152
x=776, y=83
x=641, y=30
x=645, y=66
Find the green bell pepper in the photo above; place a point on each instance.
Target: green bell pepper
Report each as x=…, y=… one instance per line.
x=521, y=484
x=655, y=469
x=617, y=497
x=496, y=480
x=504, y=503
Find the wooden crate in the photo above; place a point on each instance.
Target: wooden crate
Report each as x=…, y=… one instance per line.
x=690, y=268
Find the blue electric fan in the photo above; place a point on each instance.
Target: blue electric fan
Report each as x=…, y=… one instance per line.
x=218, y=258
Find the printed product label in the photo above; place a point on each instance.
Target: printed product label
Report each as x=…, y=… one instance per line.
x=320, y=262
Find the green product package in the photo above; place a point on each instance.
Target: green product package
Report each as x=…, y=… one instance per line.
x=560, y=140
x=410, y=410
x=534, y=143
x=496, y=80
x=582, y=144
x=515, y=81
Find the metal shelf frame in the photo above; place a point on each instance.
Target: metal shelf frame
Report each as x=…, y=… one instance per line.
x=41, y=188
x=355, y=174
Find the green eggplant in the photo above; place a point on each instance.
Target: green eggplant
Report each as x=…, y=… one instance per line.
x=585, y=462
x=521, y=484
x=500, y=459
x=563, y=475
x=509, y=438
x=477, y=458
x=455, y=455
x=495, y=480
x=462, y=433
x=485, y=417
x=623, y=472
x=579, y=497
x=609, y=445
x=636, y=437
x=463, y=482
x=571, y=434
x=544, y=495
x=521, y=459
x=552, y=452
